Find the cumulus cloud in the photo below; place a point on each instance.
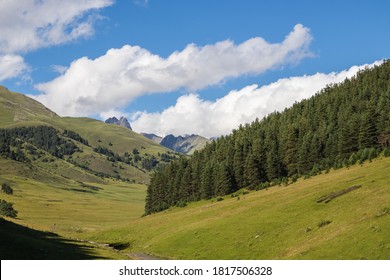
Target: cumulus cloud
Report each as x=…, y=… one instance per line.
x=29, y=24
x=112, y=81
x=12, y=66
x=191, y=114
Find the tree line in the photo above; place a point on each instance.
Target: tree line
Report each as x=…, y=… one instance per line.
x=341, y=125
x=47, y=138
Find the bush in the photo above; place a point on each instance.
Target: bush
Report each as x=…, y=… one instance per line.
x=264, y=185
x=294, y=178
x=7, y=189
x=7, y=209
x=352, y=159
x=386, y=152
x=181, y=204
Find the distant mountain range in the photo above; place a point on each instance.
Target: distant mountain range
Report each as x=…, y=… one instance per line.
x=153, y=137
x=187, y=144
x=183, y=144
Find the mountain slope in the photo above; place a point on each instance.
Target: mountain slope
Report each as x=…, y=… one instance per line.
x=112, y=151
x=285, y=222
x=18, y=108
x=184, y=144
x=339, y=126
x=153, y=137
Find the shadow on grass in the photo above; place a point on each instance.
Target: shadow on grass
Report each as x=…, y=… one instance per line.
x=21, y=243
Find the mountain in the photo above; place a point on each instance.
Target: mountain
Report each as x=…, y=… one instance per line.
x=153, y=137
x=342, y=124
x=183, y=144
x=121, y=122
x=82, y=149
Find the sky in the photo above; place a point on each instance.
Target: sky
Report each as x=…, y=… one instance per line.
x=185, y=67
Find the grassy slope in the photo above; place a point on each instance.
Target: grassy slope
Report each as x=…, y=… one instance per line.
x=19, y=110
x=49, y=195
x=46, y=201
x=30, y=244
x=278, y=223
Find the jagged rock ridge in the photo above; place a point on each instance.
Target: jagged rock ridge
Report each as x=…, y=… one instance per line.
x=121, y=122
x=153, y=137
x=183, y=144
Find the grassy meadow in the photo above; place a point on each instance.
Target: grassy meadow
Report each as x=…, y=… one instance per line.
x=54, y=203
x=283, y=222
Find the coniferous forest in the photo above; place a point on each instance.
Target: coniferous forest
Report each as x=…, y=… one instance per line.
x=341, y=125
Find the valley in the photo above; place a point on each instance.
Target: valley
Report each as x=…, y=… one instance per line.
x=310, y=182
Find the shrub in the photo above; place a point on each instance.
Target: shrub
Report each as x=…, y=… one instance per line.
x=294, y=178
x=264, y=185
x=352, y=159
x=7, y=189
x=276, y=181
x=7, y=209
x=181, y=204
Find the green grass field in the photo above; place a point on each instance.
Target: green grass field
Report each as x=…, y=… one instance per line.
x=46, y=201
x=283, y=222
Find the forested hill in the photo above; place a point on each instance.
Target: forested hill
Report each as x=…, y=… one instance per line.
x=342, y=124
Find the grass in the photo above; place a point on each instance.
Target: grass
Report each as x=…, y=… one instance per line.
x=20, y=110
x=28, y=244
x=278, y=223
x=49, y=202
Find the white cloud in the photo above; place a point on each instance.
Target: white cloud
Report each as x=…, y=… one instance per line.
x=191, y=114
x=112, y=81
x=112, y=113
x=30, y=24
x=59, y=68
x=12, y=66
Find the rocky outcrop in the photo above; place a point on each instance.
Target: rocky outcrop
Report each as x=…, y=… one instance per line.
x=121, y=122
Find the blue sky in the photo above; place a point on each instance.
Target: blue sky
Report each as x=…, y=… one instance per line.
x=100, y=58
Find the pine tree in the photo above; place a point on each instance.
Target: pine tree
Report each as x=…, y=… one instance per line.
x=251, y=172
x=223, y=180
x=238, y=164
x=207, y=181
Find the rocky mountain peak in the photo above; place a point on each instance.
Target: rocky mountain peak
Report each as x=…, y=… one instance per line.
x=121, y=122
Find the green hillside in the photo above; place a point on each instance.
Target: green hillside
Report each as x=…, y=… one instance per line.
x=282, y=222
x=69, y=176
x=112, y=151
x=23, y=243
x=342, y=124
